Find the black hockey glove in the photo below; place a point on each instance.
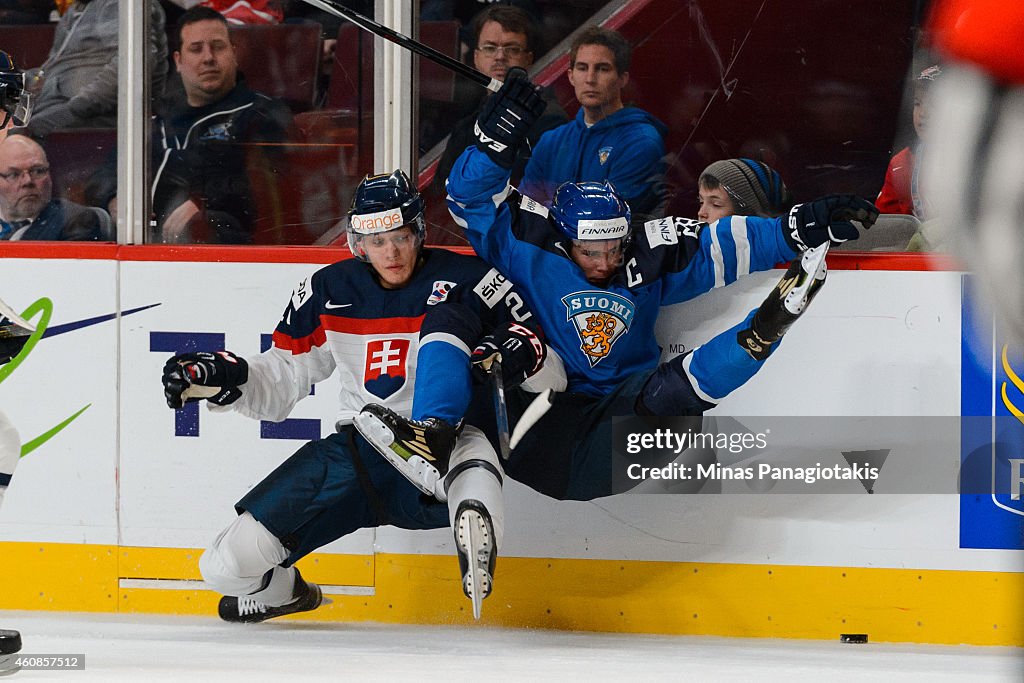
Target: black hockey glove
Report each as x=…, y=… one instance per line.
x=520, y=351
x=214, y=376
x=828, y=220
x=507, y=116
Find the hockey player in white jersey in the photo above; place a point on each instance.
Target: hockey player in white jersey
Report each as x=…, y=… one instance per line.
x=360, y=317
x=14, y=333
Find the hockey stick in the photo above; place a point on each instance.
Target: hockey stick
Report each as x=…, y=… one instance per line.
x=14, y=332
x=408, y=43
x=500, y=408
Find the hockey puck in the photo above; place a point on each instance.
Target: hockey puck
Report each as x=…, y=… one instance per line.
x=10, y=642
x=853, y=638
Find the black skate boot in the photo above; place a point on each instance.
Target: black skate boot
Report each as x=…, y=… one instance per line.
x=785, y=303
x=10, y=645
x=474, y=541
x=419, y=449
x=245, y=610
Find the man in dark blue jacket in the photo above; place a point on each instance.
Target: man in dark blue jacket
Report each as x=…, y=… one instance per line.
x=606, y=140
x=207, y=143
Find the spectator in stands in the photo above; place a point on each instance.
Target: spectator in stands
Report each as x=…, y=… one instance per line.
x=76, y=87
x=241, y=11
x=26, y=11
x=466, y=11
x=27, y=208
x=503, y=37
x=607, y=140
x=899, y=192
x=741, y=187
x=207, y=143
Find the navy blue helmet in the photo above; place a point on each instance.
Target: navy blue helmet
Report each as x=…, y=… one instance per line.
x=590, y=211
x=383, y=203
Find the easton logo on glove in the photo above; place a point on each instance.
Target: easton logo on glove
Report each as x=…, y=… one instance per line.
x=507, y=117
x=828, y=219
x=490, y=143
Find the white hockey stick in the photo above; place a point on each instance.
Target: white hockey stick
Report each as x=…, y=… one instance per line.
x=14, y=332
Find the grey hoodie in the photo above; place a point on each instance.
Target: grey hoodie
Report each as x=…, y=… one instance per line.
x=79, y=78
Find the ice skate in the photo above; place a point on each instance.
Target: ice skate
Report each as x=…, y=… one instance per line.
x=10, y=645
x=245, y=610
x=474, y=541
x=419, y=449
x=785, y=303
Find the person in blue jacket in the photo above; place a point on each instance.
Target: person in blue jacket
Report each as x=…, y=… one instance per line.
x=607, y=140
x=596, y=289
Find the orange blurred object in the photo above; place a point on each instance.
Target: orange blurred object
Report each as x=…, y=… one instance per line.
x=988, y=33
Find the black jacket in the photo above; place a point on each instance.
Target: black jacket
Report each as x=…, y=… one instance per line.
x=209, y=154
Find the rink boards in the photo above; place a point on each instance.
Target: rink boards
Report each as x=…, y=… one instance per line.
x=111, y=511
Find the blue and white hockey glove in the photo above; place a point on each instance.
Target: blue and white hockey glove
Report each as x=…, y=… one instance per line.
x=507, y=117
x=828, y=219
x=214, y=376
x=518, y=348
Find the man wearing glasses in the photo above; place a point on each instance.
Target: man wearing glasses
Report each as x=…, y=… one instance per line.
x=28, y=210
x=505, y=37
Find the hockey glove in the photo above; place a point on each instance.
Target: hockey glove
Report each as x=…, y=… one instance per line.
x=214, y=376
x=507, y=116
x=520, y=351
x=828, y=220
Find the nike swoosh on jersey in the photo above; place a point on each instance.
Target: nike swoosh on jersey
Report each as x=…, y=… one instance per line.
x=330, y=305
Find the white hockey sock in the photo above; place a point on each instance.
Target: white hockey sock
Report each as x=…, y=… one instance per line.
x=476, y=482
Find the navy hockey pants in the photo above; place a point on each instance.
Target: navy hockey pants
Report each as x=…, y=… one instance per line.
x=332, y=487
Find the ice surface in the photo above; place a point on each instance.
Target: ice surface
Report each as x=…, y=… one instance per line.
x=161, y=648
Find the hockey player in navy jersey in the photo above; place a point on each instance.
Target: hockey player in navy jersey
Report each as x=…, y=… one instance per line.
x=597, y=290
x=361, y=317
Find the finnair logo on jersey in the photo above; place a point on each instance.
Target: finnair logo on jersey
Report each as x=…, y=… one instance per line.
x=533, y=206
x=385, y=370
x=600, y=319
x=604, y=229
x=370, y=223
x=661, y=232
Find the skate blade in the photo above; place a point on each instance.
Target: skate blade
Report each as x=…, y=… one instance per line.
x=810, y=277
x=474, y=542
x=417, y=470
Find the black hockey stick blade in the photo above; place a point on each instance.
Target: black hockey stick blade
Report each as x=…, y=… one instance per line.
x=408, y=43
x=500, y=409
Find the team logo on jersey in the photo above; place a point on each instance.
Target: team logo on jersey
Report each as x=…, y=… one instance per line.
x=385, y=369
x=600, y=319
x=603, y=154
x=439, y=292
